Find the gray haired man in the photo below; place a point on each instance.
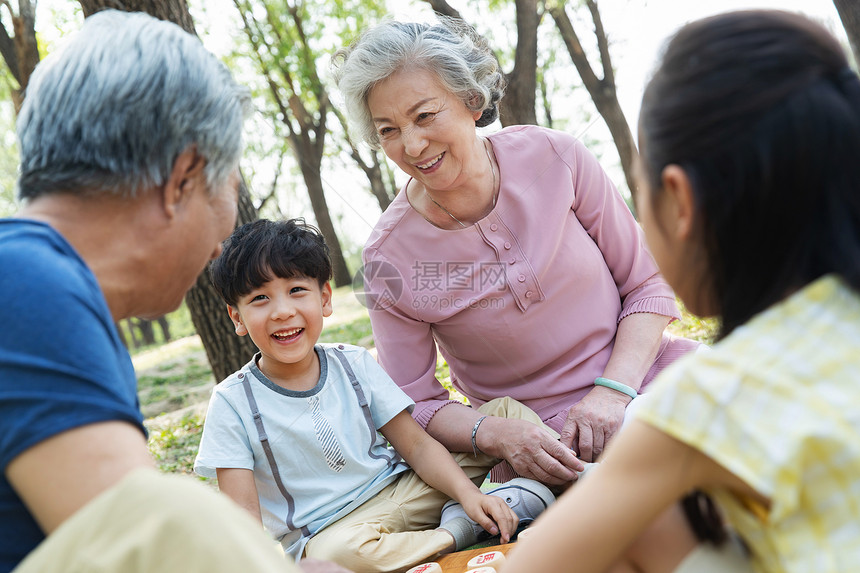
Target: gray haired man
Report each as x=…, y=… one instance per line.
x=130, y=140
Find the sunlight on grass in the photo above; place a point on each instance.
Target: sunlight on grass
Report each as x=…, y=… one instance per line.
x=346, y=307
x=154, y=357
x=356, y=332
x=174, y=446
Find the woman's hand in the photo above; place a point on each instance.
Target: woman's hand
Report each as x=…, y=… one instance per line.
x=532, y=451
x=491, y=513
x=593, y=421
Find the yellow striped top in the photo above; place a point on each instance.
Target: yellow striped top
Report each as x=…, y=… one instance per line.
x=777, y=403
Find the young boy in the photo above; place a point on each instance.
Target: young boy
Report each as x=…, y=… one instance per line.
x=298, y=435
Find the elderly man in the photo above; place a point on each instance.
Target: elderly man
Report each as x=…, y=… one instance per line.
x=130, y=140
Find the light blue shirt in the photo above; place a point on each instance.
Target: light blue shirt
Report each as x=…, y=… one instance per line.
x=328, y=473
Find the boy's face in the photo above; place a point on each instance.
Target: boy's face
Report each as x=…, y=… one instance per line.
x=284, y=318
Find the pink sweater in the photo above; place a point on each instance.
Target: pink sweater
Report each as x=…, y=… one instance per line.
x=526, y=302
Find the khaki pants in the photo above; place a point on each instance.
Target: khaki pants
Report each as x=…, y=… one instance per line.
x=396, y=529
x=151, y=522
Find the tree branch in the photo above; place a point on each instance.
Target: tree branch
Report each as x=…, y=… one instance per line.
x=274, y=187
x=602, y=43
x=353, y=149
x=7, y=50
x=26, y=46
x=574, y=48
x=273, y=24
x=372, y=170
x=243, y=10
x=442, y=7
x=319, y=91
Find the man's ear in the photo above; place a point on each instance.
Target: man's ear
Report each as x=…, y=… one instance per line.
x=326, y=299
x=680, y=206
x=187, y=173
x=241, y=329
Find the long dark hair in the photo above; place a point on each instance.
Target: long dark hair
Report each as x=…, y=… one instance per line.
x=762, y=112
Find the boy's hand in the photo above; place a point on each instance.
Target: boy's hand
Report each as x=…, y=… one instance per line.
x=493, y=514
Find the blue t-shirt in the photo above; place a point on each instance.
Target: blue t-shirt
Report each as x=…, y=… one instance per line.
x=62, y=364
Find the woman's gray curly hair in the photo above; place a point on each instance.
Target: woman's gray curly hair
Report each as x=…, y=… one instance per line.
x=459, y=56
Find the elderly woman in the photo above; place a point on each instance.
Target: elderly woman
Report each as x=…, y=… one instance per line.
x=513, y=252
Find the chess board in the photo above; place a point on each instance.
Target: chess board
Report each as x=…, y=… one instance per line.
x=456, y=562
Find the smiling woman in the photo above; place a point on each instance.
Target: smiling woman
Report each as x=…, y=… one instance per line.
x=429, y=133
x=513, y=253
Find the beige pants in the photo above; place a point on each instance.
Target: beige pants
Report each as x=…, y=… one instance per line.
x=396, y=528
x=157, y=523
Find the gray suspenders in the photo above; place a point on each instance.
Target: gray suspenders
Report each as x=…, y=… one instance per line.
x=264, y=441
x=264, y=438
x=362, y=401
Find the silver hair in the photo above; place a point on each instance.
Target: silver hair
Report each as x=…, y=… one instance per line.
x=110, y=112
x=451, y=49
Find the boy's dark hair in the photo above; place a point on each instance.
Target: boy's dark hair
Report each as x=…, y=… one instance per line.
x=762, y=112
x=259, y=251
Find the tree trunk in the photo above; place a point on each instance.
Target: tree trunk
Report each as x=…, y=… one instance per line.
x=226, y=351
x=849, y=13
x=121, y=334
x=21, y=51
x=147, y=332
x=135, y=341
x=313, y=180
x=165, y=328
x=518, y=105
x=302, y=113
x=602, y=91
x=613, y=115
x=377, y=183
x=175, y=11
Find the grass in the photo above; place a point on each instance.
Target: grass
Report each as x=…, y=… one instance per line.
x=693, y=327
x=172, y=376
x=173, y=443
x=174, y=379
x=356, y=332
